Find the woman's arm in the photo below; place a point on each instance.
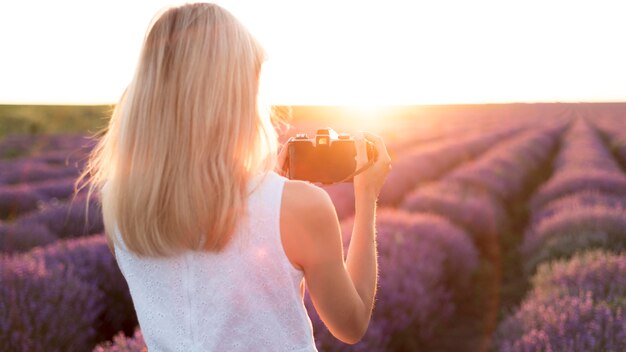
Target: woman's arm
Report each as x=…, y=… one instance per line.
x=342, y=292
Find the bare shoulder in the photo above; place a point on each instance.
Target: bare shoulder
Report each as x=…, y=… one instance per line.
x=299, y=196
x=308, y=221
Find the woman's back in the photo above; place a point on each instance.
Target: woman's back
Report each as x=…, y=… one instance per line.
x=245, y=297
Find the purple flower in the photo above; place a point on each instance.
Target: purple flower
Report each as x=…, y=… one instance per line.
x=91, y=261
x=576, y=305
x=503, y=171
x=15, y=200
x=473, y=210
x=18, y=199
x=70, y=158
x=426, y=163
x=30, y=170
x=583, y=149
x=68, y=219
x=599, y=272
x=581, y=199
x=614, y=130
x=566, y=182
x=568, y=323
x=583, y=163
x=12, y=146
x=46, y=309
x=61, y=188
x=21, y=238
x=123, y=343
x=572, y=230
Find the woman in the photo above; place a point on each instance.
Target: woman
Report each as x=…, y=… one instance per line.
x=213, y=243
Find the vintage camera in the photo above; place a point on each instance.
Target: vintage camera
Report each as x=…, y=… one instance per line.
x=326, y=158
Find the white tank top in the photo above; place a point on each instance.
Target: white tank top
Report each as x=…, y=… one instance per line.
x=244, y=298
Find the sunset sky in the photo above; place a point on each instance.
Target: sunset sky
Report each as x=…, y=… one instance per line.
x=327, y=52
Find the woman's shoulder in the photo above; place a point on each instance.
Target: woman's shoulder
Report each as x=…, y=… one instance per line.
x=309, y=223
x=307, y=211
x=301, y=196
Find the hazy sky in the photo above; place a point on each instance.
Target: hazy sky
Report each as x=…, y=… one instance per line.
x=337, y=52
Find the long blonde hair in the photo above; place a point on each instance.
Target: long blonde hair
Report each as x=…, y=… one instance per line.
x=186, y=137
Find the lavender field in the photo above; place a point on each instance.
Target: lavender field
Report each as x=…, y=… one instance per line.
x=499, y=229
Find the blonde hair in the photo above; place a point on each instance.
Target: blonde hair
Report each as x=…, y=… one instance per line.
x=186, y=136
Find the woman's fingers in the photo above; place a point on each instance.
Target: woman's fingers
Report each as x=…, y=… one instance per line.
x=361, y=151
x=282, y=159
x=379, y=144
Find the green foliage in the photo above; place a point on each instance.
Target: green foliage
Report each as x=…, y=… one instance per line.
x=34, y=119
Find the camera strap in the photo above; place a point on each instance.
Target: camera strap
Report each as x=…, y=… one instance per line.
x=358, y=171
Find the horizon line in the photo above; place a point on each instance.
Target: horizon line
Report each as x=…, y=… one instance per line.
x=48, y=103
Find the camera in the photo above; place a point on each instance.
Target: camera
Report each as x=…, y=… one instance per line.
x=326, y=158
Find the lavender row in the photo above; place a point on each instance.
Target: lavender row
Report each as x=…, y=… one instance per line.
x=426, y=163
x=504, y=171
x=52, y=221
x=66, y=296
x=420, y=164
x=576, y=226
x=576, y=305
x=43, y=168
x=31, y=145
x=581, y=206
x=52, y=165
x=475, y=195
x=584, y=162
x=410, y=136
x=613, y=129
x=17, y=200
x=424, y=262
x=44, y=164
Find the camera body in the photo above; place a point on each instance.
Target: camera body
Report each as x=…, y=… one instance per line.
x=326, y=158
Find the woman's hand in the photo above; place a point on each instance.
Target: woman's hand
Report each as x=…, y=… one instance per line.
x=368, y=183
x=282, y=159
